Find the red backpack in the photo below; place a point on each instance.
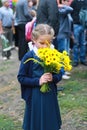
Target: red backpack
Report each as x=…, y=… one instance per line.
x=28, y=29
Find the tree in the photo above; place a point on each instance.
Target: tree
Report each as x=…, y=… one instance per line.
x=0, y=3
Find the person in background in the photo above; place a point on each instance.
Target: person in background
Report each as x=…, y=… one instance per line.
x=22, y=17
x=79, y=46
x=71, y=40
x=86, y=41
x=15, y=31
x=47, y=12
x=65, y=29
x=70, y=1
x=35, y=3
x=41, y=109
x=32, y=8
x=6, y=27
x=30, y=25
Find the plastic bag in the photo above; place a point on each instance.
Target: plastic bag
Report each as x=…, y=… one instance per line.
x=5, y=43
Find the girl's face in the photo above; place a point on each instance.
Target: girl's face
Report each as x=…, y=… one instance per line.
x=43, y=41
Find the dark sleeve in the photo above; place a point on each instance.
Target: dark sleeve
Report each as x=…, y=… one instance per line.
x=73, y=4
x=53, y=15
x=58, y=77
x=65, y=10
x=26, y=12
x=47, y=12
x=25, y=73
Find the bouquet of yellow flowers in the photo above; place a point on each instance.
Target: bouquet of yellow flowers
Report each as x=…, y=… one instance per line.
x=52, y=61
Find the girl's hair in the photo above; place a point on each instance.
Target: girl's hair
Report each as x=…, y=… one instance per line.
x=42, y=29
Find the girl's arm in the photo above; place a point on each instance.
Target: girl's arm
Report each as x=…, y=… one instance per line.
x=24, y=78
x=25, y=73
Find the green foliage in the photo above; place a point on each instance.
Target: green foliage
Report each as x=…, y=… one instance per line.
x=6, y=123
x=0, y=3
x=73, y=99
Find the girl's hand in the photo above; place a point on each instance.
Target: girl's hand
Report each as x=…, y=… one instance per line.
x=46, y=77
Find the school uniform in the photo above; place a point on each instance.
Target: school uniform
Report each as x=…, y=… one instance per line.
x=42, y=109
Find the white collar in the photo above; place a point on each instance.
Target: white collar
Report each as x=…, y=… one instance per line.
x=34, y=48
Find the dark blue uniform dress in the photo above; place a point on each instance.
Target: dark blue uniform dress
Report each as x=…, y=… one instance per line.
x=42, y=110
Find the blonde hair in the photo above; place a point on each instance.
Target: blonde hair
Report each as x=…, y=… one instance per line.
x=42, y=29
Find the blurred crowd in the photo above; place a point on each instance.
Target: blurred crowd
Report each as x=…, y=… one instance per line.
x=62, y=15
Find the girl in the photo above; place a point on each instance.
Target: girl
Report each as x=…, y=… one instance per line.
x=42, y=109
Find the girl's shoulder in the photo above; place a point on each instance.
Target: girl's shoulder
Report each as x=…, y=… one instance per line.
x=29, y=54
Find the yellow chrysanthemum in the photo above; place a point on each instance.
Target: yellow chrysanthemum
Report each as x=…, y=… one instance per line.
x=52, y=61
x=48, y=61
x=65, y=53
